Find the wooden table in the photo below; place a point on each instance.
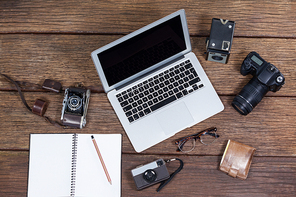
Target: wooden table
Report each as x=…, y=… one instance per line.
x=54, y=39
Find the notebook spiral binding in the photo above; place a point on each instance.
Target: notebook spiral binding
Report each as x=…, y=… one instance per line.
x=73, y=165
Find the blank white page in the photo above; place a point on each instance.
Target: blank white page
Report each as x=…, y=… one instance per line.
x=90, y=176
x=50, y=165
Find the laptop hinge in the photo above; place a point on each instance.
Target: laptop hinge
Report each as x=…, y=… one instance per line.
x=148, y=73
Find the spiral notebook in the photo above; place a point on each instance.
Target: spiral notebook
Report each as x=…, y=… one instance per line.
x=68, y=165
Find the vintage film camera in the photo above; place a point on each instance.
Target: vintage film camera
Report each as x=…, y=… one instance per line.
x=75, y=106
x=150, y=174
x=266, y=77
x=219, y=43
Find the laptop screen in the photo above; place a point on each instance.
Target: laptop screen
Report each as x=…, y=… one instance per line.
x=142, y=51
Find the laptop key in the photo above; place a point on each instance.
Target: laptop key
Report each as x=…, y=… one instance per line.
x=120, y=99
x=136, y=116
x=130, y=100
x=185, y=92
x=193, y=81
x=134, y=110
x=188, y=66
x=127, y=108
x=179, y=95
x=141, y=114
x=124, y=103
x=145, y=105
x=163, y=103
x=147, y=111
x=139, y=108
x=129, y=113
x=131, y=119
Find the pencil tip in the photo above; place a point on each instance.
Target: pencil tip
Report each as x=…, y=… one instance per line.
x=92, y=137
x=110, y=183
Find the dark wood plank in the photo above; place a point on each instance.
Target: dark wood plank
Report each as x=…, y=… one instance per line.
x=13, y=173
x=253, y=18
x=66, y=58
x=268, y=176
x=270, y=127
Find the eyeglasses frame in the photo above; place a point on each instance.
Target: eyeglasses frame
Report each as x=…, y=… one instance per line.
x=196, y=136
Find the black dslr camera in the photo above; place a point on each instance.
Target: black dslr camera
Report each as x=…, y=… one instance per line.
x=75, y=106
x=266, y=77
x=150, y=174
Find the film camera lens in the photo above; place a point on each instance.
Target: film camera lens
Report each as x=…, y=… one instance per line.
x=149, y=175
x=266, y=77
x=74, y=102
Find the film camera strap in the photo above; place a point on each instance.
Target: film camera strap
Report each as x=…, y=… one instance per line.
x=39, y=106
x=163, y=183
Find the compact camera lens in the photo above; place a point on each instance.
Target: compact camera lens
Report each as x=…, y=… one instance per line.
x=217, y=58
x=74, y=102
x=150, y=175
x=249, y=96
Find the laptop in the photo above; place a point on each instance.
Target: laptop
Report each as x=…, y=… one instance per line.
x=154, y=82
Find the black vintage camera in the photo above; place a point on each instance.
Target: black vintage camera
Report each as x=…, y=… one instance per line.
x=266, y=77
x=219, y=43
x=150, y=174
x=75, y=106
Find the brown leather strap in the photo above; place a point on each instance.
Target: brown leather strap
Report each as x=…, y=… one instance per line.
x=39, y=107
x=19, y=91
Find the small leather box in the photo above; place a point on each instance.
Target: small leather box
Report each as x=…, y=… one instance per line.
x=236, y=160
x=52, y=85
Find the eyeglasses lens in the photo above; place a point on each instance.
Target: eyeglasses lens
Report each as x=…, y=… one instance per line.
x=187, y=146
x=208, y=138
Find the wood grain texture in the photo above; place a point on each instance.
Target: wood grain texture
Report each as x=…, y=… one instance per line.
x=54, y=39
x=253, y=18
x=262, y=129
x=268, y=176
x=66, y=58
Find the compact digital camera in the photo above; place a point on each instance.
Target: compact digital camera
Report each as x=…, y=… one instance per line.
x=150, y=174
x=266, y=77
x=75, y=106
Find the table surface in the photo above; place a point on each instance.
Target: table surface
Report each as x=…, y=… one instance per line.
x=54, y=39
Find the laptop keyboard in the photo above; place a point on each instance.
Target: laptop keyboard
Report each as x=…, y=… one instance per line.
x=160, y=90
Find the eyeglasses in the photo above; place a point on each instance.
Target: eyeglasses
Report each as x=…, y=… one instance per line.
x=206, y=137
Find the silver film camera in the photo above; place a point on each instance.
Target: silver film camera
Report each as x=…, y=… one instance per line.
x=75, y=106
x=150, y=174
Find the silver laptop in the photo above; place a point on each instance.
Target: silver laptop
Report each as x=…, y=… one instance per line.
x=154, y=82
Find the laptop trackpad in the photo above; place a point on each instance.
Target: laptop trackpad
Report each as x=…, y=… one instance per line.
x=175, y=118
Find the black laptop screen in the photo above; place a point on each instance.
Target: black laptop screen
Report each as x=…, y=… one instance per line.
x=142, y=51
